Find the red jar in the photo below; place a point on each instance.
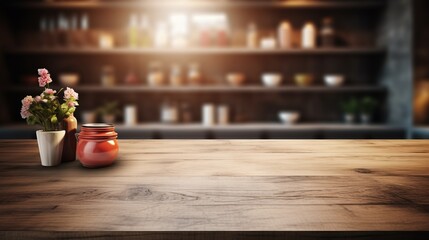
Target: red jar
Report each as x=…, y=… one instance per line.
x=97, y=145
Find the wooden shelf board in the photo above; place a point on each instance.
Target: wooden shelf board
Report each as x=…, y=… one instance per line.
x=294, y=4
x=209, y=51
x=220, y=88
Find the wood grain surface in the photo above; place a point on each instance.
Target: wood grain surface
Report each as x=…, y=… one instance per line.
x=222, y=185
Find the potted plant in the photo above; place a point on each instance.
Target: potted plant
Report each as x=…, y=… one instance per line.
x=109, y=112
x=350, y=109
x=47, y=111
x=367, y=108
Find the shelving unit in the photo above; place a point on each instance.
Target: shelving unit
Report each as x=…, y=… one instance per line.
x=366, y=60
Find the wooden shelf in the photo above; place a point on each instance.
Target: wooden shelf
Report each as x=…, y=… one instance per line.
x=220, y=88
x=208, y=51
x=204, y=4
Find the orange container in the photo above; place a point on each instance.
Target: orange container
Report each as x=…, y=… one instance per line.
x=97, y=145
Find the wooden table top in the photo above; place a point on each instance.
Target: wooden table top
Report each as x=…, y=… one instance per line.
x=222, y=185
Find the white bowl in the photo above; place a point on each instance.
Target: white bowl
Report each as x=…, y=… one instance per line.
x=272, y=79
x=334, y=80
x=289, y=117
x=69, y=79
x=235, y=79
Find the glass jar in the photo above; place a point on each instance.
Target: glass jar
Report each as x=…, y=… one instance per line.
x=194, y=74
x=155, y=76
x=108, y=76
x=176, y=77
x=97, y=145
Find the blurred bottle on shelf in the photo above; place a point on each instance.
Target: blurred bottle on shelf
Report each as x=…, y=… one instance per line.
x=83, y=35
x=252, y=36
x=309, y=38
x=44, y=33
x=73, y=32
x=327, y=33
x=161, y=35
x=195, y=76
x=169, y=112
x=63, y=30
x=108, y=78
x=145, y=32
x=133, y=31
x=186, y=113
x=155, y=75
x=176, y=75
x=223, y=114
x=284, y=33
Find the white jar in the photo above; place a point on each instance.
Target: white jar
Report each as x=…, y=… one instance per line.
x=309, y=35
x=130, y=117
x=208, y=114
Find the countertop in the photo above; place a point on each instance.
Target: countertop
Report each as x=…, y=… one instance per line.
x=222, y=185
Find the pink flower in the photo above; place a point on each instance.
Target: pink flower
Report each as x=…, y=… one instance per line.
x=42, y=71
x=25, y=113
x=38, y=99
x=26, y=103
x=50, y=91
x=70, y=94
x=44, y=78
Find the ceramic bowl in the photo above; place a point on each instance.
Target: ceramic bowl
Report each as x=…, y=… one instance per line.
x=235, y=79
x=272, y=79
x=289, y=117
x=69, y=79
x=334, y=80
x=303, y=79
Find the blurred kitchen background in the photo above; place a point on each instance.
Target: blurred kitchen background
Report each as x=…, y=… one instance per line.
x=224, y=69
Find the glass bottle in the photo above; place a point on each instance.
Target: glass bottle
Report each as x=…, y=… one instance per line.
x=328, y=33
x=252, y=36
x=285, y=34
x=133, y=31
x=69, y=150
x=309, y=35
x=145, y=33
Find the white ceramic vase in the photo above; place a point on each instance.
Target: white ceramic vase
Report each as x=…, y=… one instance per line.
x=50, y=146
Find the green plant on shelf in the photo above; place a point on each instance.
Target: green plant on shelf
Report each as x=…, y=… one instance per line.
x=368, y=105
x=109, y=108
x=350, y=106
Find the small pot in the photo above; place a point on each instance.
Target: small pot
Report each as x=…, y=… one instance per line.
x=97, y=145
x=109, y=118
x=365, y=118
x=349, y=118
x=50, y=147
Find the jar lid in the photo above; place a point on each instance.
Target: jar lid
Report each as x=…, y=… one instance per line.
x=98, y=131
x=97, y=125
